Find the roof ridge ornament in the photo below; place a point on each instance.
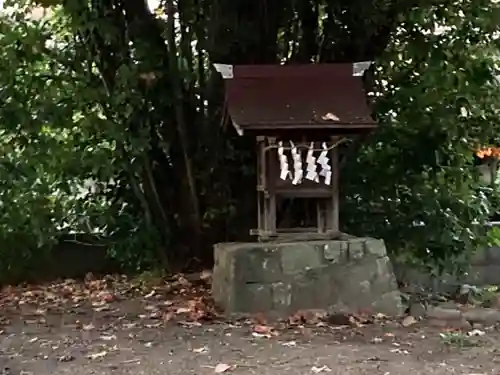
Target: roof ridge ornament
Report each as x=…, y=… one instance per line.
x=226, y=70
x=359, y=68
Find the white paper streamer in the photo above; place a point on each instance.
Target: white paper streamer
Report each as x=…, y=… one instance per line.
x=323, y=161
x=311, y=169
x=328, y=178
x=359, y=68
x=284, y=170
x=225, y=70
x=298, y=171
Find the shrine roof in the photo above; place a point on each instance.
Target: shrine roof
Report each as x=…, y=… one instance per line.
x=297, y=97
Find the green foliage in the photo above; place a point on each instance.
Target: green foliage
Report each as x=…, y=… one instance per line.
x=458, y=339
x=59, y=165
x=35, y=102
x=493, y=236
x=437, y=100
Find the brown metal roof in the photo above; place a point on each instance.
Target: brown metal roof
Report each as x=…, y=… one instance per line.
x=305, y=97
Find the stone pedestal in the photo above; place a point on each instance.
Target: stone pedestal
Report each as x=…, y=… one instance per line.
x=281, y=278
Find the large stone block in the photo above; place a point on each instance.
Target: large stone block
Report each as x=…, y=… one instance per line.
x=375, y=247
x=301, y=256
x=336, y=251
x=311, y=289
x=356, y=249
x=280, y=278
x=366, y=285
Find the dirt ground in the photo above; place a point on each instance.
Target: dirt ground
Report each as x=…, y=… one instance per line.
x=116, y=327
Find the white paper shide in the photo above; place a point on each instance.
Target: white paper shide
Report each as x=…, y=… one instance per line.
x=311, y=169
x=324, y=162
x=284, y=169
x=298, y=171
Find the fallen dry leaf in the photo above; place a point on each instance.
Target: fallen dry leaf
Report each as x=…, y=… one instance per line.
x=221, y=367
x=106, y=296
x=94, y=356
x=102, y=308
x=168, y=316
x=262, y=329
x=408, y=321
x=181, y=280
x=312, y=316
x=354, y=322
x=476, y=332
x=317, y=370
x=330, y=116
x=260, y=335
x=259, y=318
x=88, y=327
x=206, y=275
x=107, y=337
x=150, y=294
x=66, y=358
x=189, y=324
x=151, y=308
x=201, y=350
x=399, y=351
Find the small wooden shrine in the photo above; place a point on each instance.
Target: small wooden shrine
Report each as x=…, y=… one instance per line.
x=299, y=114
